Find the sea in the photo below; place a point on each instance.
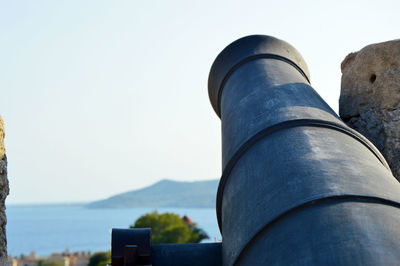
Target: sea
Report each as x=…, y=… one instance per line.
x=46, y=229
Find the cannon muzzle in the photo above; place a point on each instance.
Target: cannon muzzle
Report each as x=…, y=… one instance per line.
x=298, y=186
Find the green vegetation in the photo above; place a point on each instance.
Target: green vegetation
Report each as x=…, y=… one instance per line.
x=50, y=263
x=170, y=228
x=100, y=259
x=166, y=193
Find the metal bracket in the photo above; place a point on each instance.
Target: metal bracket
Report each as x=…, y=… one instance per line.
x=131, y=247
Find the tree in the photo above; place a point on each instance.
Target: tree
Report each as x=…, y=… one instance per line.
x=50, y=263
x=170, y=228
x=100, y=259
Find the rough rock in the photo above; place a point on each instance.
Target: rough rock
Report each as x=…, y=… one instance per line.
x=3, y=194
x=370, y=97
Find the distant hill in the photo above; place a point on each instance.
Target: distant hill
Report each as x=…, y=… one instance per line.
x=165, y=193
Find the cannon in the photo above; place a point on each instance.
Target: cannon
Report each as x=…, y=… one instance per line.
x=298, y=186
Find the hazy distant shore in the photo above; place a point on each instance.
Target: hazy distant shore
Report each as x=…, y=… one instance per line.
x=47, y=204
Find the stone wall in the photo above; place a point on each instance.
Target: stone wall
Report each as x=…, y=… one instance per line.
x=370, y=97
x=3, y=194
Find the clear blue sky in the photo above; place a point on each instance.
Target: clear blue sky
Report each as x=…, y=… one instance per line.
x=101, y=97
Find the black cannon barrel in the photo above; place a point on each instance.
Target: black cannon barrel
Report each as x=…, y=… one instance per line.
x=298, y=186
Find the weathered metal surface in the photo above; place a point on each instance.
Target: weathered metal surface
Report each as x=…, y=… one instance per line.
x=286, y=155
x=187, y=254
